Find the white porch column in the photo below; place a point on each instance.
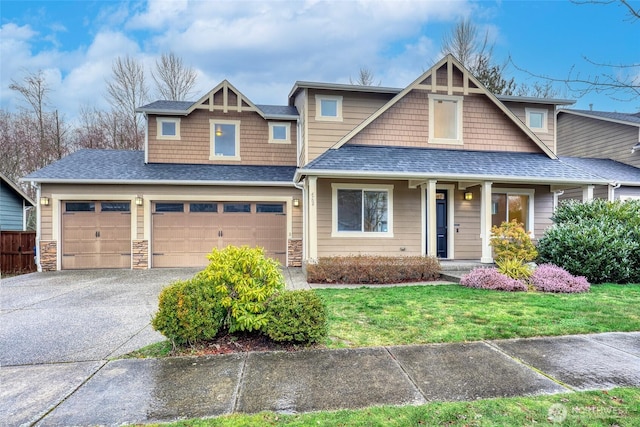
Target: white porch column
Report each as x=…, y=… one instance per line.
x=587, y=193
x=312, y=203
x=432, y=224
x=485, y=222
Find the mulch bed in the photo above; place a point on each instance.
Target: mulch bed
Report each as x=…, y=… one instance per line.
x=238, y=343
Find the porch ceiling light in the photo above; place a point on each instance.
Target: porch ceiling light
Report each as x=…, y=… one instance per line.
x=44, y=201
x=468, y=195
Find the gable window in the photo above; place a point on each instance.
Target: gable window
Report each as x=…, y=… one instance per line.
x=225, y=139
x=362, y=210
x=329, y=108
x=168, y=128
x=536, y=119
x=445, y=119
x=279, y=133
x=508, y=205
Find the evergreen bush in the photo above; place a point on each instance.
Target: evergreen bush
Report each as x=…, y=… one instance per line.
x=598, y=239
x=551, y=278
x=188, y=312
x=296, y=316
x=491, y=278
x=511, y=241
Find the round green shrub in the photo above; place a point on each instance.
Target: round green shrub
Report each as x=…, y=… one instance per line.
x=188, y=312
x=297, y=316
x=241, y=280
x=599, y=240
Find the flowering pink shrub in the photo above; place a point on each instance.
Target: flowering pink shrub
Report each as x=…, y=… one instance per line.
x=491, y=278
x=551, y=278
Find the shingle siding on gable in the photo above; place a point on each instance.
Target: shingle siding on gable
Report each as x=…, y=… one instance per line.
x=195, y=141
x=585, y=137
x=485, y=127
x=356, y=108
x=547, y=137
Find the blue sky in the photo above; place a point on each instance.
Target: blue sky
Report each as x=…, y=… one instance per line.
x=263, y=47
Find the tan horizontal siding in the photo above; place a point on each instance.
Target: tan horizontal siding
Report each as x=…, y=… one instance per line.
x=356, y=108
x=585, y=137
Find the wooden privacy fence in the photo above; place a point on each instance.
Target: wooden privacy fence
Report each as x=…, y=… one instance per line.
x=17, y=252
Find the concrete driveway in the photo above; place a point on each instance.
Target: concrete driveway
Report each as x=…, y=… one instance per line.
x=76, y=316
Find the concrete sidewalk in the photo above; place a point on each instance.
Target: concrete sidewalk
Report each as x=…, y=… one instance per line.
x=156, y=390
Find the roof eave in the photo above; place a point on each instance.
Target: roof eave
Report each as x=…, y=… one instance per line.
x=533, y=100
x=158, y=182
x=163, y=112
x=606, y=119
x=280, y=117
x=327, y=173
x=341, y=87
x=17, y=189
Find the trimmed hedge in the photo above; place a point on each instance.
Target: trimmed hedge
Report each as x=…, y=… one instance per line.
x=360, y=269
x=296, y=316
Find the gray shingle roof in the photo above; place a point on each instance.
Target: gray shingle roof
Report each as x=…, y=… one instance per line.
x=128, y=167
x=632, y=119
x=181, y=107
x=607, y=168
x=359, y=160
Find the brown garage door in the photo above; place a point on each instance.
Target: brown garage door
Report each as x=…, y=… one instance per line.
x=183, y=233
x=96, y=235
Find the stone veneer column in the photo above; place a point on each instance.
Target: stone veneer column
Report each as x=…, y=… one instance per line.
x=295, y=252
x=48, y=255
x=140, y=255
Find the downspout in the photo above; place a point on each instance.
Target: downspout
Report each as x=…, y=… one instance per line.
x=612, y=190
x=38, y=226
x=556, y=194
x=146, y=139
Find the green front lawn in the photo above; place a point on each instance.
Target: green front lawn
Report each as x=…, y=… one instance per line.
x=618, y=407
x=451, y=313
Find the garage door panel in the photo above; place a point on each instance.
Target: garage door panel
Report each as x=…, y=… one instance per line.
x=95, y=239
x=185, y=238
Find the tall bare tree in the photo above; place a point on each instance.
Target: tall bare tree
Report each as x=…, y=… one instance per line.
x=365, y=78
x=174, y=81
x=126, y=90
x=476, y=54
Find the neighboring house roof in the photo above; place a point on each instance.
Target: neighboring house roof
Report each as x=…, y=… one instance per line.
x=17, y=189
x=183, y=108
x=362, y=161
x=610, y=169
x=533, y=100
x=128, y=167
x=622, y=118
x=450, y=61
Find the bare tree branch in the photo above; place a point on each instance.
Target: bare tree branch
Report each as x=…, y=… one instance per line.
x=174, y=81
x=365, y=78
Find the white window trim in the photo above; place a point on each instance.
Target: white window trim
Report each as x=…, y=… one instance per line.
x=367, y=187
x=433, y=97
x=521, y=192
x=287, y=139
x=161, y=120
x=320, y=117
x=545, y=119
x=212, y=148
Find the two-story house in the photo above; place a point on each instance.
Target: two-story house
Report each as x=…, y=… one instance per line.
x=607, y=143
x=342, y=169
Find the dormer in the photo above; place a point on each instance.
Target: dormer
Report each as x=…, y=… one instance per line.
x=222, y=127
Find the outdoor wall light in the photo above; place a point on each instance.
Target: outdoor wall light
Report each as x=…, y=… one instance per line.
x=296, y=202
x=138, y=200
x=44, y=201
x=468, y=195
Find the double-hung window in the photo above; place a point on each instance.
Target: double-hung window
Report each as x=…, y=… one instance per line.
x=279, y=133
x=445, y=119
x=512, y=204
x=168, y=128
x=329, y=108
x=225, y=139
x=362, y=210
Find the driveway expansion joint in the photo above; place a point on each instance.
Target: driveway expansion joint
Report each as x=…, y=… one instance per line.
x=406, y=373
